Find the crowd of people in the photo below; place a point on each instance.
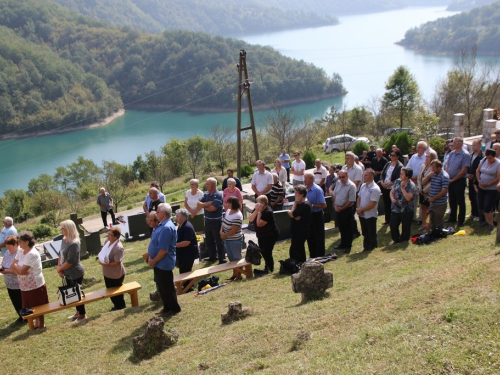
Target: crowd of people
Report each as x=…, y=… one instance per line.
x=355, y=189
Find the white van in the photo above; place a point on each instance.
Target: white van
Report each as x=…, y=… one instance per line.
x=343, y=143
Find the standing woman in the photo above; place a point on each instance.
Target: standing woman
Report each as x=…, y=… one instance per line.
x=389, y=174
x=300, y=224
x=402, y=193
x=191, y=200
x=69, y=264
x=187, y=245
x=488, y=176
x=111, y=260
x=10, y=277
x=230, y=233
x=267, y=232
x=425, y=189
x=231, y=191
x=331, y=180
x=281, y=172
x=28, y=266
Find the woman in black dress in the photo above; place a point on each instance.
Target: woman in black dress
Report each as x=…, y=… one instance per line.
x=300, y=215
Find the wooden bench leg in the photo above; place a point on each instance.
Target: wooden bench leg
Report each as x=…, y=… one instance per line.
x=31, y=324
x=181, y=290
x=247, y=271
x=134, y=298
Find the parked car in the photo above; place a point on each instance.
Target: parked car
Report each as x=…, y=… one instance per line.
x=344, y=142
x=392, y=131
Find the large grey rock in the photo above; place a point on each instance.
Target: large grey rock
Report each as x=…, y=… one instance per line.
x=155, y=296
x=155, y=339
x=312, y=281
x=235, y=312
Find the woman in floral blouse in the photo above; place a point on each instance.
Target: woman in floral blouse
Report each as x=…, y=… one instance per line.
x=28, y=267
x=402, y=193
x=10, y=276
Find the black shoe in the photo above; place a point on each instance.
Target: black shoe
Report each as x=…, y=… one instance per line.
x=385, y=223
x=356, y=235
x=209, y=259
x=450, y=221
x=339, y=247
x=419, y=222
x=21, y=321
x=367, y=250
x=261, y=272
x=347, y=250
x=223, y=261
x=460, y=224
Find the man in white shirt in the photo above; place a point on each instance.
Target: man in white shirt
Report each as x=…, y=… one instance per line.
x=262, y=180
x=415, y=163
x=369, y=195
x=355, y=174
x=320, y=174
x=297, y=170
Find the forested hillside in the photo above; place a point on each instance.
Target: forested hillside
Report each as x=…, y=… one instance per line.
x=216, y=17
x=465, y=5
x=175, y=69
x=480, y=26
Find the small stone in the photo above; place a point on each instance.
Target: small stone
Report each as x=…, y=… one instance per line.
x=235, y=312
x=155, y=296
x=312, y=281
x=299, y=340
x=155, y=339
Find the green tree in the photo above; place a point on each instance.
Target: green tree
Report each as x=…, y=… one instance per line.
x=175, y=152
x=402, y=95
x=196, y=151
x=220, y=147
x=115, y=178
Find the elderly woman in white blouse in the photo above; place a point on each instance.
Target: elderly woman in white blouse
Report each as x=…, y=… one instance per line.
x=111, y=260
x=191, y=200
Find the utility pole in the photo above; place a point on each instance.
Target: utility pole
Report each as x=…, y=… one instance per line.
x=244, y=88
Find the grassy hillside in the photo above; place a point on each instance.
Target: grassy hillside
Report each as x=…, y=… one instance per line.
x=398, y=310
x=217, y=17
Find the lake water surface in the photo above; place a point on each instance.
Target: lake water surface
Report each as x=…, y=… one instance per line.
x=361, y=49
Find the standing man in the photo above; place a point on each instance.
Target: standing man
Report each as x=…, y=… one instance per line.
x=277, y=194
x=297, y=170
x=212, y=203
x=154, y=201
x=371, y=154
x=320, y=174
x=262, y=180
x=495, y=140
x=355, y=174
x=230, y=174
x=161, y=257
x=415, y=163
x=316, y=197
x=475, y=158
x=457, y=167
x=438, y=196
x=344, y=197
x=378, y=163
x=369, y=195
x=285, y=163
x=8, y=230
x=105, y=203
x=147, y=201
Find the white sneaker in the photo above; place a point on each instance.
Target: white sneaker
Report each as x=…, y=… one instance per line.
x=476, y=218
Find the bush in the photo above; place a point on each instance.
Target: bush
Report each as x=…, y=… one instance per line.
x=48, y=219
x=437, y=144
x=359, y=147
x=309, y=159
x=246, y=170
x=43, y=231
x=402, y=140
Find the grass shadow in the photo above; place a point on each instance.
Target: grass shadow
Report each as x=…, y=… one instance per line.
x=141, y=270
x=395, y=247
x=11, y=328
x=132, y=310
x=309, y=301
x=28, y=334
x=355, y=257
x=81, y=323
x=134, y=262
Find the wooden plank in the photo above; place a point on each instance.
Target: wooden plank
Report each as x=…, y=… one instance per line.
x=89, y=297
x=202, y=272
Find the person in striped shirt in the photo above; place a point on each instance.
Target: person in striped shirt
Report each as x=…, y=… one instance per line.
x=438, y=196
x=231, y=235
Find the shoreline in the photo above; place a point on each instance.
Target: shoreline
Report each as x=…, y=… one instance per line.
x=228, y=110
x=104, y=122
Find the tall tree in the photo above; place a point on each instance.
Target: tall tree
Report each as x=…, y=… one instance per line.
x=402, y=96
x=221, y=147
x=196, y=150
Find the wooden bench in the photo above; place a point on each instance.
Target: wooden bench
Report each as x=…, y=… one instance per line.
x=130, y=288
x=203, y=272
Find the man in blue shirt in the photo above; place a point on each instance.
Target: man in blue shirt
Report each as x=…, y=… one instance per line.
x=161, y=257
x=212, y=203
x=316, y=197
x=457, y=166
x=285, y=162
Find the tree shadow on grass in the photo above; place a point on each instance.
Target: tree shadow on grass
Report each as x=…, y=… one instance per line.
x=134, y=310
x=28, y=334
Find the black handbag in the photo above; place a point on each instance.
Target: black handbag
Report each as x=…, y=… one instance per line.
x=70, y=292
x=253, y=254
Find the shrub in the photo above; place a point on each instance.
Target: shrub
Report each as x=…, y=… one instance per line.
x=309, y=159
x=359, y=147
x=129, y=207
x=437, y=144
x=43, y=231
x=402, y=140
x=246, y=170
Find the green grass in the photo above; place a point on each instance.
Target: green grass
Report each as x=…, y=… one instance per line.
x=402, y=309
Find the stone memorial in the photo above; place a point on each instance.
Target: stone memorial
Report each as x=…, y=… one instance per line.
x=155, y=339
x=235, y=312
x=312, y=281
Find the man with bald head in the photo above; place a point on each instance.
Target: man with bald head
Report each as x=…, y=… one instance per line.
x=316, y=197
x=457, y=167
x=8, y=230
x=344, y=197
